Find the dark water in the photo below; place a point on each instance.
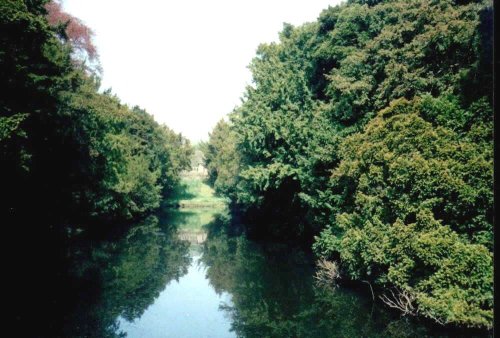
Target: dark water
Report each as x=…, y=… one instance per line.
x=192, y=274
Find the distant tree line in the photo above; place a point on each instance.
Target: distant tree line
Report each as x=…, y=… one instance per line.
x=67, y=150
x=370, y=132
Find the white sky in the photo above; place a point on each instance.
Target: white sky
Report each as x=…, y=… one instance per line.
x=185, y=62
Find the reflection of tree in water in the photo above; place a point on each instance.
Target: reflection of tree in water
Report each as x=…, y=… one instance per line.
x=273, y=293
x=122, y=278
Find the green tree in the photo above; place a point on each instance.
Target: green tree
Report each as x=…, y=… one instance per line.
x=376, y=115
x=413, y=208
x=67, y=151
x=221, y=159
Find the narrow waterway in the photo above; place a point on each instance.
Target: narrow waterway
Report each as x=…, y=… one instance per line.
x=188, y=306
x=192, y=272
x=229, y=286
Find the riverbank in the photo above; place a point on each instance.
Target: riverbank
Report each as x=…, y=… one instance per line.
x=194, y=193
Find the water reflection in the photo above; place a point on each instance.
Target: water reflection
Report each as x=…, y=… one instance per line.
x=119, y=277
x=193, y=273
x=273, y=293
x=191, y=224
x=189, y=306
x=133, y=271
x=186, y=308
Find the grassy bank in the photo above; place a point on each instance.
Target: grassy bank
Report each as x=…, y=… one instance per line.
x=194, y=193
x=194, y=203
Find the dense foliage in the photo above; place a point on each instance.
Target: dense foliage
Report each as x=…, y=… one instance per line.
x=65, y=148
x=221, y=159
x=273, y=293
x=372, y=129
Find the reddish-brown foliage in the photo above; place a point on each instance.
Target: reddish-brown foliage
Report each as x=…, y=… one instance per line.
x=78, y=34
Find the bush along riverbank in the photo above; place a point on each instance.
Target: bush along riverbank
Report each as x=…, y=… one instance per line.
x=68, y=150
x=370, y=133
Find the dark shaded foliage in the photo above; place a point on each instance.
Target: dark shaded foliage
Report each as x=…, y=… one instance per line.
x=67, y=150
x=373, y=126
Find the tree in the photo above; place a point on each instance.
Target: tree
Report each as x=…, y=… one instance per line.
x=221, y=159
x=413, y=209
x=377, y=118
x=69, y=152
x=77, y=34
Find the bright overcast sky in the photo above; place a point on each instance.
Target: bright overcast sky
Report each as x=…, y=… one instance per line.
x=185, y=62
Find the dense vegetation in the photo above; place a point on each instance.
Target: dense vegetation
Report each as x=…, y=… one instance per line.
x=371, y=129
x=67, y=150
x=273, y=293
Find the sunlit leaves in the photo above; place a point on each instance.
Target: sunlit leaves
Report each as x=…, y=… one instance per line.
x=375, y=124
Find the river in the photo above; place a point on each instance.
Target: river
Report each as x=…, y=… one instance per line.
x=192, y=272
x=177, y=277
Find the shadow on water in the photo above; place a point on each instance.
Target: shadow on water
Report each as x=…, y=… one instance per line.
x=102, y=284
x=91, y=281
x=274, y=293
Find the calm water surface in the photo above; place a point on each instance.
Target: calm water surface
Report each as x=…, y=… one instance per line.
x=191, y=273
x=188, y=307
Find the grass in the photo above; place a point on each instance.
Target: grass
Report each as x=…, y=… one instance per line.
x=194, y=193
x=194, y=204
